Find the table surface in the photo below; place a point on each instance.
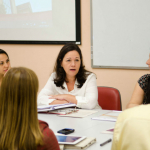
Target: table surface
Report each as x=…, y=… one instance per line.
x=83, y=127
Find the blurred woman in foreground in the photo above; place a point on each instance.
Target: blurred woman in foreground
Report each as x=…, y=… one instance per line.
x=19, y=126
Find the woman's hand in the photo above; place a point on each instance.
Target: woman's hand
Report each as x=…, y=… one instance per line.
x=58, y=102
x=58, y=97
x=67, y=97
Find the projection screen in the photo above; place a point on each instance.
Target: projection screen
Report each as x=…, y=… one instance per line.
x=40, y=21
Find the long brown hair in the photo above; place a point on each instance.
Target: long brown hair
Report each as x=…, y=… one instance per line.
x=60, y=72
x=19, y=126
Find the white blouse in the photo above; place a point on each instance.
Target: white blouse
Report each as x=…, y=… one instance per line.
x=86, y=96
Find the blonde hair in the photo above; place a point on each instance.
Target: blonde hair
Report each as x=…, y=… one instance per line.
x=19, y=126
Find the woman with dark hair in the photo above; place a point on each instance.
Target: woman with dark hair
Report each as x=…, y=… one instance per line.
x=141, y=93
x=20, y=128
x=70, y=82
x=4, y=64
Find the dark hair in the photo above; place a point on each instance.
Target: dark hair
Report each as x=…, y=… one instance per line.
x=3, y=52
x=61, y=74
x=148, y=93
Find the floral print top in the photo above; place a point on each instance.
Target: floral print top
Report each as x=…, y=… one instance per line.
x=143, y=83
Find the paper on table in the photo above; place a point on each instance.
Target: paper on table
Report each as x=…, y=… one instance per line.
x=83, y=144
x=63, y=111
x=61, y=146
x=110, y=116
x=44, y=108
x=80, y=113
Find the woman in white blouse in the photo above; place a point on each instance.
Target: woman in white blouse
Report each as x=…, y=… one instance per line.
x=70, y=82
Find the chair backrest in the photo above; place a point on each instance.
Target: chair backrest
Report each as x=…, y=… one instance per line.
x=109, y=98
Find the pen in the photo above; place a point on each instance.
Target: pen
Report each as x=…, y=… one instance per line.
x=105, y=142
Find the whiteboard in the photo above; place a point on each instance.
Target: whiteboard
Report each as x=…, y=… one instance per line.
x=120, y=33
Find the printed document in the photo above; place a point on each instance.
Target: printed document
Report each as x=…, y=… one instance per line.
x=109, y=116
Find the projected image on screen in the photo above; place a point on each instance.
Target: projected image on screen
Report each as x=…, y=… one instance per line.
x=20, y=13
x=38, y=20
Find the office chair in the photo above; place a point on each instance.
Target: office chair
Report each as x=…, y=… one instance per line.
x=109, y=98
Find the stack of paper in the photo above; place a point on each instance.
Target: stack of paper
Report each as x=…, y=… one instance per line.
x=83, y=144
x=45, y=108
x=80, y=113
x=64, y=111
x=110, y=116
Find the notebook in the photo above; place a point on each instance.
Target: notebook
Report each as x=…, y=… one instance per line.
x=83, y=144
x=45, y=108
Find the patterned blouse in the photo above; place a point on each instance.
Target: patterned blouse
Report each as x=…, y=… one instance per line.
x=143, y=83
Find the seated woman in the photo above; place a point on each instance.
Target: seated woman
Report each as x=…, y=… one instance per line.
x=70, y=82
x=4, y=64
x=140, y=94
x=132, y=129
x=19, y=125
